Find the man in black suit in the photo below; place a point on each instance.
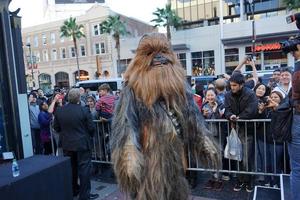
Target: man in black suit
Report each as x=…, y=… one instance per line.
x=75, y=125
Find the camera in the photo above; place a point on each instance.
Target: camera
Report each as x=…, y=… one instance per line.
x=291, y=44
x=265, y=100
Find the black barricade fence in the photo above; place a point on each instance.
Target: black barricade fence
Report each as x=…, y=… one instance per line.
x=250, y=147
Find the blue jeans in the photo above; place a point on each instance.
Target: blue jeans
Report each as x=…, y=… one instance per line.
x=294, y=151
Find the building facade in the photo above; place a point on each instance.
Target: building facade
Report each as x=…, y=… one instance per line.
x=208, y=47
x=51, y=59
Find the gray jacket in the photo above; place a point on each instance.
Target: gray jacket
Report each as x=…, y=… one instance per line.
x=34, y=112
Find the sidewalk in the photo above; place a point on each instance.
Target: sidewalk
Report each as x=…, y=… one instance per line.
x=105, y=185
x=109, y=191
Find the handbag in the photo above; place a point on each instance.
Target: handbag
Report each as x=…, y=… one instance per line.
x=281, y=122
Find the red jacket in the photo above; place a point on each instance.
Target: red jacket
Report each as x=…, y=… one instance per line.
x=198, y=100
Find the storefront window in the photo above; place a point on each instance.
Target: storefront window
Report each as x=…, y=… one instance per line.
x=203, y=63
x=182, y=59
x=268, y=60
x=231, y=59
x=274, y=59
x=45, y=82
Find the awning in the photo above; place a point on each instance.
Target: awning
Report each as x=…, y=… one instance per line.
x=259, y=38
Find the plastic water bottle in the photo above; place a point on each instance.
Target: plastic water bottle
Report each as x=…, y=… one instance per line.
x=15, y=168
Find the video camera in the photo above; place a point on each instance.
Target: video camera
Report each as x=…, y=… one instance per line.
x=291, y=44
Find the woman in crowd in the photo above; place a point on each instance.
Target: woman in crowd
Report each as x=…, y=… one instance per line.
x=274, y=150
x=44, y=120
x=91, y=103
x=261, y=91
x=211, y=109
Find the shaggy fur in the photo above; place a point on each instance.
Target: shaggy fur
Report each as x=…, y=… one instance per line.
x=148, y=154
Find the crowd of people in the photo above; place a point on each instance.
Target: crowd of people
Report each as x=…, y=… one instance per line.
x=230, y=97
x=68, y=115
x=247, y=97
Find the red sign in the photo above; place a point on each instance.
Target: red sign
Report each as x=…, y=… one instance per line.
x=268, y=47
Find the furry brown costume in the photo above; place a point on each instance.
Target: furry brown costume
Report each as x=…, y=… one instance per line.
x=155, y=121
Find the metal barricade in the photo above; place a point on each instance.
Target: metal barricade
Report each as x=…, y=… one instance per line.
x=261, y=156
x=101, y=147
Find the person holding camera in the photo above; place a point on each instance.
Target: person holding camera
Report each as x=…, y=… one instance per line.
x=251, y=79
x=269, y=154
x=294, y=145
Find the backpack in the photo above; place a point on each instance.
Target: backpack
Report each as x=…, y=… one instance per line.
x=281, y=122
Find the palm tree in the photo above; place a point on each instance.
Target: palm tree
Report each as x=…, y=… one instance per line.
x=75, y=31
x=166, y=17
x=113, y=25
x=292, y=4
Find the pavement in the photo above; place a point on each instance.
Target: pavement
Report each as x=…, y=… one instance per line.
x=104, y=184
x=108, y=191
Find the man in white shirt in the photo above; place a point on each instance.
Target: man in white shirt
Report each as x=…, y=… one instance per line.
x=285, y=82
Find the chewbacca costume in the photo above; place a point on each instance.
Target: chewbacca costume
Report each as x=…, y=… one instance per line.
x=155, y=122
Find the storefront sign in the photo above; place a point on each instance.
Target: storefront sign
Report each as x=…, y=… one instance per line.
x=268, y=47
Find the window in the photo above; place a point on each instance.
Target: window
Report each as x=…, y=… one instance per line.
x=37, y=56
x=231, y=59
x=203, y=63
x=63, y=53
x=72, y=52
x=124, y=64
x=36, y=41
x=102, y=47
x=62, y=39
x=267, y=60
x=44, y=39
x=82, y=50
x=28, y=40
x=96, y=30
x=97, y=48
x=52, y=38
x=45, y=56
x=182, y=59
x=54, y=54
x=197, y=63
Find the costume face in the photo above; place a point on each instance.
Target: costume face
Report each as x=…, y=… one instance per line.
x=155, y=73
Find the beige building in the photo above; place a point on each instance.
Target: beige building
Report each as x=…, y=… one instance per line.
x=53, y=58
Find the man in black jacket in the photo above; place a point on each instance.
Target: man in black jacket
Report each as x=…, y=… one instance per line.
x=241, y=103
x=75, y=126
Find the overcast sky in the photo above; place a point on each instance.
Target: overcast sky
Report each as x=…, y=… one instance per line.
x=32, y=12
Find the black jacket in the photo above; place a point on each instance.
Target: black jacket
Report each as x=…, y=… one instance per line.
x=75, y=126
x=244, y=104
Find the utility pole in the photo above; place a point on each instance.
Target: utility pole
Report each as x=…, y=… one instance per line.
x=31, y=63
x=251, y=2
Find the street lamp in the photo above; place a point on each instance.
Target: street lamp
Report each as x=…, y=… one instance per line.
x=251, y=2
x=31, y=63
